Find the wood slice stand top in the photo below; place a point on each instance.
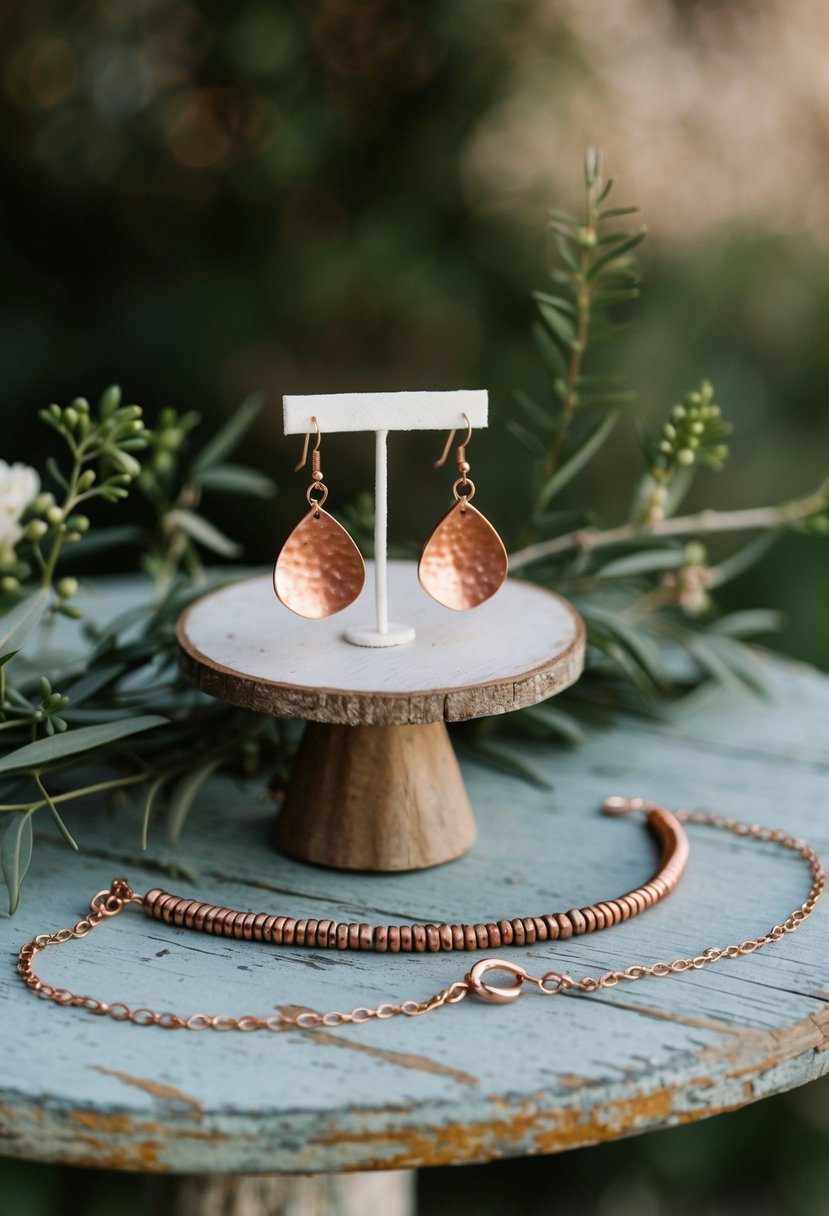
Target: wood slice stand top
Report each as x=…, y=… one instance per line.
x=241, y=645
x=376, y=785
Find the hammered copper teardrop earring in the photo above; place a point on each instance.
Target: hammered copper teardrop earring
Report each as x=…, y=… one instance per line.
x=319, y=570
x=464, y=561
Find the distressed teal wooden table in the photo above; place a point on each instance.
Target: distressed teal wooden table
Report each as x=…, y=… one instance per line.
x=471, y=1082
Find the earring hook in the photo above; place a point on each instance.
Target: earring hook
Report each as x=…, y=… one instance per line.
x=452, y=434
x=307, y=441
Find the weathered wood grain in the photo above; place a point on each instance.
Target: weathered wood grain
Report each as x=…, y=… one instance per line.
x=375, y=798
x=470, y=1082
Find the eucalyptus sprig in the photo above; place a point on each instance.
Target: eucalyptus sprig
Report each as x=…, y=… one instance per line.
x=78, y=729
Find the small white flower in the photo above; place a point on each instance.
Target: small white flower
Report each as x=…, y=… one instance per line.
x=19, y=484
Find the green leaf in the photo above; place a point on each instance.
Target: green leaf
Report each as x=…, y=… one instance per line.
x=613, y=213
x=82, y=739
x=226, y=439
x=527, y=439
x=565, y=252
x=101, y=539
x=641, y=648
x=613, y=238
x=609, y=333
x=615, y=296
x=237, y=479
x=567, y=471
x=53, y=811
x=560, y=325
x=746, y=557
x=536, y=413
x=748, y=622
x=678, y=487
x=54, y=469
x=700, y=648
x=590, y=399
x=15, y=855
x=557, y=302
x=183, y=794
x=599, y=382
x=16, y=625
x=564, y=217
x=550, y=353
x=503, y=757
x=742, y=663
x=643, y=563
x=201, y=530
x=555, y=722
x=619, y=250
x=148, y=807
x=555, y=522
x=93, y=680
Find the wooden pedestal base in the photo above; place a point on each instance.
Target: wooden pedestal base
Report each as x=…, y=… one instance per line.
x=375, y=798
x=376, y=785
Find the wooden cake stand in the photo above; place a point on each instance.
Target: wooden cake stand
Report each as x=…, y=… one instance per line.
x=376, y=785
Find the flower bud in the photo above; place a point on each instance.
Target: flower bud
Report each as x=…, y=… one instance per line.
x=171, y=438
x=42, y=503
x=109, y=400
x=78, y=523
x=126, y=463
x=86, y=479
x=70, y=417
x=54, y=516
x=35, y=530
x=685, y=456
x=9, y=584
x=695, y=554
x=66, y=588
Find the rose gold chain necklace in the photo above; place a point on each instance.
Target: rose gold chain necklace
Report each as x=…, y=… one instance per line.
x=666, y=826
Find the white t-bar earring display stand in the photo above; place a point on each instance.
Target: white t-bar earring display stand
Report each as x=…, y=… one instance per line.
x=381, y=413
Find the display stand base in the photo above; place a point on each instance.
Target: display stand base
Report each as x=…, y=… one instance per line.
x=384, y=798
x=395, y=635
x=376, y=785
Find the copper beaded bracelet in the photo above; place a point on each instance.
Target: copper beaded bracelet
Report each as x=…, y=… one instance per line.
x=478, y=980
x=432, y=938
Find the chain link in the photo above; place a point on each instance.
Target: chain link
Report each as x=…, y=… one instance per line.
x=109, y=903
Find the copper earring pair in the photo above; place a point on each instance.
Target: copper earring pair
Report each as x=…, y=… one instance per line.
x=320, y=571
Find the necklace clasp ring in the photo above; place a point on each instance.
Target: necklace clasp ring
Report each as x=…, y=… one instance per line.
x=495, y=994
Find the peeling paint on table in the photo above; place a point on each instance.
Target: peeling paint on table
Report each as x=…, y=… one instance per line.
x=470, y=1082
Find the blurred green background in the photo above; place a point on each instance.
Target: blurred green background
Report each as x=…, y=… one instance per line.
x=201, y=200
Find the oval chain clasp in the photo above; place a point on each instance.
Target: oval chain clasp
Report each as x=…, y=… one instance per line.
x=495, y=994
